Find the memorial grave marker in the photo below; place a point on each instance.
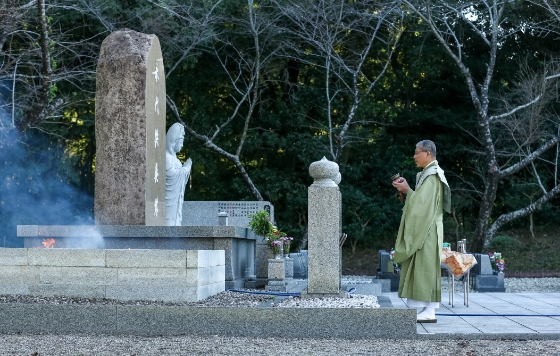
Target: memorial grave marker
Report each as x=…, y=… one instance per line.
x=130, y=131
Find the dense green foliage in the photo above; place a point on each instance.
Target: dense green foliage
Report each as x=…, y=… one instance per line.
x=421, y=95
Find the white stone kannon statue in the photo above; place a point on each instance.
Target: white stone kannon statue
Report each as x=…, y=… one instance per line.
x=176, y=175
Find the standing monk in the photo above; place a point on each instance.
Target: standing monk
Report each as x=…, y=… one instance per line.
x=420, y=236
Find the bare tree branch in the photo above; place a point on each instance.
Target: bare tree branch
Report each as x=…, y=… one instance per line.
x=521, y=119
x=338, y=38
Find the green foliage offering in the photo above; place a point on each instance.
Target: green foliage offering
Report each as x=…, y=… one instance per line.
x=260, y=223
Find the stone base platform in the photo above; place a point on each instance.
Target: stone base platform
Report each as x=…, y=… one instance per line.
x=225, y=321
x=393, y=277
x=237, y=242
x=341, y=294
x=484, y=283
x=164, y=275
x=276, y=286
x=256, y=283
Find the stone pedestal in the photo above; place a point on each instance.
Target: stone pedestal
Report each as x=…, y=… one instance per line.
x=394, y=279
x=324, y=216
x=486, y=283
x=130, y=131
x=237, y=242
x=276, y=275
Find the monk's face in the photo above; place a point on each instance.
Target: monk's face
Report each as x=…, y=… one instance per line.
x=422, y=158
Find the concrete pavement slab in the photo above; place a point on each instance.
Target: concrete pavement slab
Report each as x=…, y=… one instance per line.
x=539, y=324
x=497, y=325
x=483, y=318
x=546, y=311
x=451, y=324
x=472, y=309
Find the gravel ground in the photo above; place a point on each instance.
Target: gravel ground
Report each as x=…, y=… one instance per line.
x=216, y=345
x=519, y=285
x=219, y=345
x=225, y=299
x=516, y=285
x=513, y=285
x=353, y=301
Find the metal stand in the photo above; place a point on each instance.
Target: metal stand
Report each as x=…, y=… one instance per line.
x=466, y=286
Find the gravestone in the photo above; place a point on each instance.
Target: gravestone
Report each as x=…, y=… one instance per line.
x=485, y=280
x=483, y=265
x=300, y=264
x=385, y=270
x=130, y=131
x=324, y=230
x=385, y=262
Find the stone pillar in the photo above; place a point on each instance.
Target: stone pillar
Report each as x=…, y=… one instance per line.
x=251, y=262
x=324, y=217
x=130, y=131
x=262, y=254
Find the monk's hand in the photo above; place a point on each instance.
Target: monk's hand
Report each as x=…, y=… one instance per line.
x=188, y=163
x=401, y=186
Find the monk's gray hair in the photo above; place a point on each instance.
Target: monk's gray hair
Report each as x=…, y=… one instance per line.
x=427, y=146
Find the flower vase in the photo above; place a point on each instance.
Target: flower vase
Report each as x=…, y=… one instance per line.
x=278, y=255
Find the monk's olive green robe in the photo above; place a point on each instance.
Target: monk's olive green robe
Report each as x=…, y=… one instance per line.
x=420, y=237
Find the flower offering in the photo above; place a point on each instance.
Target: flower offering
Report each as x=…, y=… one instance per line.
x=497, y=261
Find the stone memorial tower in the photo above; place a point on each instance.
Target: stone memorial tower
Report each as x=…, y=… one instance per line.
x=130, y=131
x=324, y=229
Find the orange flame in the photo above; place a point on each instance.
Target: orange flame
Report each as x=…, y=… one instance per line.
x=48, y=243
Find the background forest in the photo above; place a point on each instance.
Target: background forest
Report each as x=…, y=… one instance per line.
x=265, y=88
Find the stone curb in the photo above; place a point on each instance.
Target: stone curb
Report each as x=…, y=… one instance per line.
x=346, y=323
x=481, y=336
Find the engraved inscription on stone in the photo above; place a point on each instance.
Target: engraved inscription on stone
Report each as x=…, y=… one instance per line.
x=205, y=213
x=156, y=206
x=238, y=209
x=156, y=175
x=155, y=97
x=155, y=73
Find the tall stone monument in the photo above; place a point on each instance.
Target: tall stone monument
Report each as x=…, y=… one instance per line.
x=324, y=229
x=130, y=131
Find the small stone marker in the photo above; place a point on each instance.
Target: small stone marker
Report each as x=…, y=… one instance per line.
x=130, y=131
x=324, y=211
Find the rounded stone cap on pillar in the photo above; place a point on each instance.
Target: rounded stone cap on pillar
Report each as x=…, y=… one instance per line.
x=325, y=173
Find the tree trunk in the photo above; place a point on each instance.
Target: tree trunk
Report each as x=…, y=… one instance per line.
x=485, y=212
x=38, y=113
